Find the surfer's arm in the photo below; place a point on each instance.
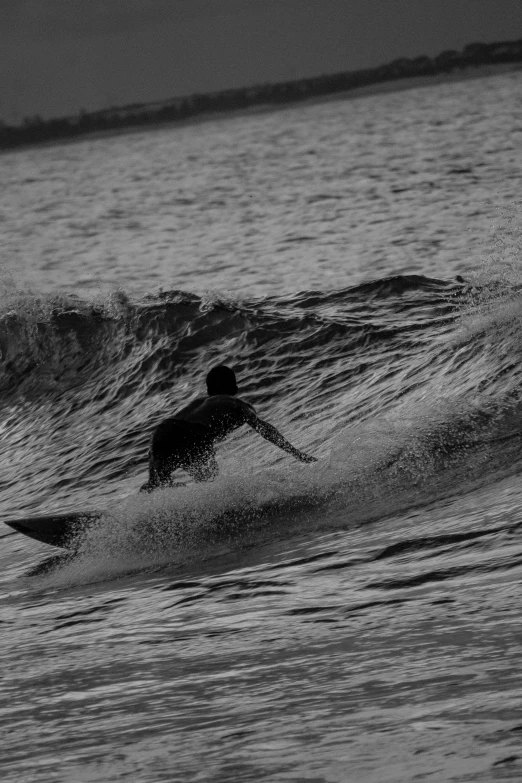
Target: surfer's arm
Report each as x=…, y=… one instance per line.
x=268, y=432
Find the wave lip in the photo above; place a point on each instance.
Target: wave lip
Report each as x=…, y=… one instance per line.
x=61, y=340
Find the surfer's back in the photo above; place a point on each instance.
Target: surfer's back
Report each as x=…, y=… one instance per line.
x=221, y=413
x=186, y=440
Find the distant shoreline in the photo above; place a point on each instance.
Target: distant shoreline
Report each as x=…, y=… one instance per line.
x=476, y=61
x=398, y=85
x=410, y=82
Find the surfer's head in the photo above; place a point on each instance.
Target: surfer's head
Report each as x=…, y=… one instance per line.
x=221, y=380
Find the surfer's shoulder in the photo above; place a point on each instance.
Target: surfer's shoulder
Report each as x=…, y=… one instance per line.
x=208, y=410
x=227, y=405
x=246, y=408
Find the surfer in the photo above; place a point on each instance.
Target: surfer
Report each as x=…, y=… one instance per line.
x=187, y=439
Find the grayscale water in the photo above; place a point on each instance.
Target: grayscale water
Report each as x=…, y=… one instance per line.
x=353, y=620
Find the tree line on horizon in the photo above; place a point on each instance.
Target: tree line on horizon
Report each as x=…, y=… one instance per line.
x=35, y=130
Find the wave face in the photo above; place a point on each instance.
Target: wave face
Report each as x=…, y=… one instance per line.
x=408, y=380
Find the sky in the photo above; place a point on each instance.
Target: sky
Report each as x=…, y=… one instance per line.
x=60, y=56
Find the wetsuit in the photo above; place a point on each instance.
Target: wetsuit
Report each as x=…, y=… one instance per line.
x=178, y=444
x=186, y=441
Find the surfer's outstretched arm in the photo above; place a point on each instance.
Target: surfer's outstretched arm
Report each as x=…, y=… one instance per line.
x=268, y=432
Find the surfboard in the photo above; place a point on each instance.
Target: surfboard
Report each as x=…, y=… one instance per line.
x=63, y=530
x=60, y=530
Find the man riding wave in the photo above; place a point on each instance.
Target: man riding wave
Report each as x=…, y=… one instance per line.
x=186, y=440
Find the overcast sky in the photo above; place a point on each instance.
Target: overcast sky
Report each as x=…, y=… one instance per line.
x=59, y=56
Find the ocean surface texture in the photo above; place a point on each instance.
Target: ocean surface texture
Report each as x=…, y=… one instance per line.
x=358, y=263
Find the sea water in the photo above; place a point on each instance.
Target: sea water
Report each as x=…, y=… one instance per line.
x=357, y=261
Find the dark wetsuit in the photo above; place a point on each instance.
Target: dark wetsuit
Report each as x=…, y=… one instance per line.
x=178, y=444
x=186, y=441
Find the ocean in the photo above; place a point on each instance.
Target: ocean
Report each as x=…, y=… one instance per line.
x=358, y=263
